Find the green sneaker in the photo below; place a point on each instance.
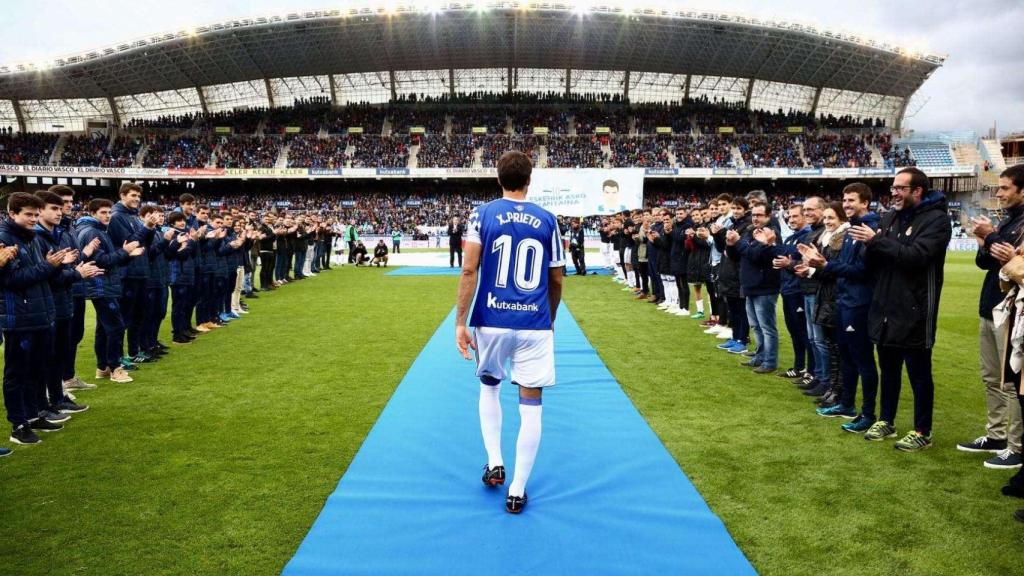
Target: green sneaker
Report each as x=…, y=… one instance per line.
x=914, y=442
x=697, y=316
x=880, y=431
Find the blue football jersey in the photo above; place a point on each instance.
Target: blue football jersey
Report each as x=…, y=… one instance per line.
x=519, y=242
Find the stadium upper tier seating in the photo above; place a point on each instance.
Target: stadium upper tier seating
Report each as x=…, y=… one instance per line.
x=473, y=130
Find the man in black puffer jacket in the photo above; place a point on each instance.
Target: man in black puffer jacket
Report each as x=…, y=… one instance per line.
x=906, y=256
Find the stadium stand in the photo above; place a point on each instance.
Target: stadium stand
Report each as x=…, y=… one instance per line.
x=26, y=148
x=182, y=152
x=575, y=152
x=929, y=153
x=249, y=152
x=316, y=152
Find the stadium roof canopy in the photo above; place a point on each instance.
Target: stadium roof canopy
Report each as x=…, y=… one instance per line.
x=372, y=52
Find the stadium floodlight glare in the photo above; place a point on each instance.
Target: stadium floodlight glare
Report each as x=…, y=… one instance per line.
x=581, y=7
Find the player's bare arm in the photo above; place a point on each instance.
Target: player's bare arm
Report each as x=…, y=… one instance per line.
x=467, y=287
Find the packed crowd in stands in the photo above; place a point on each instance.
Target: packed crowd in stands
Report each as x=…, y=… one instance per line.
x=183, y=152
x=525, y=119
x=769, y=151
x=28, y=148
x=893, y=156
x=495, y=119
x=380, y=151
x=167, y=121
x=649, y=117
x=847, y=151
x=641, y=152
x=762, y=138
x=242, y=121
x=316, y=152
x=249, y=152
x=439, y=151
x=305, y=115
x=589, y=118
x=707, y=151
x=88, y=151
x=369, y=118
x=492, y=147
x=575, y=152
x=403, y=118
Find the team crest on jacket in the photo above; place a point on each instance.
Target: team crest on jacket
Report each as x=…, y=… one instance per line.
x=519, y=207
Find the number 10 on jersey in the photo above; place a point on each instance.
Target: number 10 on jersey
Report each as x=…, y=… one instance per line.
x=528, y=262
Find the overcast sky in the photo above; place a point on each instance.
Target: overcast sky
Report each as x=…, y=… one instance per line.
x=980, y=83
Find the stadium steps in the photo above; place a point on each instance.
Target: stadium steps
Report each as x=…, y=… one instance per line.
x=631, y=123
x=213, y=156
x=737, y=158
x=282, y=158
x=995, y=154
x=478, y=155
x=58, y=150
x=542, y=156
x=350, y=151
x=572, y=125
x=448, y=125
x=414, y=156
x=967, y=155
x=141, y=155
x=877, y=157
x=803, y=156
x=607, y=151
x=386, y=127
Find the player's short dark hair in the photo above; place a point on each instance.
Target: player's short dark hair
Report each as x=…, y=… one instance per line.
x=1015, y=174
x=149, y=208
x=96, y=203
x=609, y=184
x=62, y=190
x=175, y=217
x=862, y=190
x=918, y=179
x=129, y=187
x=21, y=200
x=514, y=169
x=741, y=202
x=49, y=198
x=797, y=206
x=754, y=203
x=186, y=198
x=202, y=207
x=723, y=198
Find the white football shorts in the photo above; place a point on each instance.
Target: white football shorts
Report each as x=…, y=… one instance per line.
x=530, y=353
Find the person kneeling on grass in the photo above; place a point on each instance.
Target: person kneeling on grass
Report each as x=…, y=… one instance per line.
x=359, y=254
x=380, y=254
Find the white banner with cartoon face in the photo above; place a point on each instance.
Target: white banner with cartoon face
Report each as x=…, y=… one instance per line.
x=587, y=191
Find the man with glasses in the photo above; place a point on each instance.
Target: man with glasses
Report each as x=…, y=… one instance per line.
x=906, y=254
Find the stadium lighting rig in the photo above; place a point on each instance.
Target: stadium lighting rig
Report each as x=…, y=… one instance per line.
x=398, y=8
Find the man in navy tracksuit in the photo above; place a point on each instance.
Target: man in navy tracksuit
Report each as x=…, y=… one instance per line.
x=793, y=309
x=51, y=236
x=127, y=226
x=71, y=381
x=26, y=316
x=182, y=269
x=206, y=312
x=854, y=289
x=105, y=290
x=163, y=244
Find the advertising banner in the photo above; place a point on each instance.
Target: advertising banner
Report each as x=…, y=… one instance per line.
x=588, y=191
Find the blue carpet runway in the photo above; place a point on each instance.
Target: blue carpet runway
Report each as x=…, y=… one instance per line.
x=605, y=495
